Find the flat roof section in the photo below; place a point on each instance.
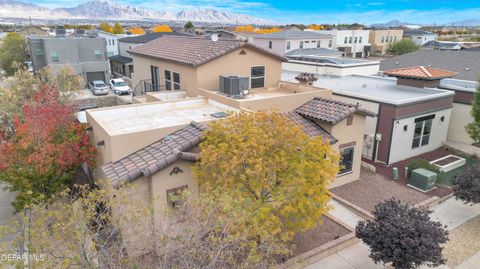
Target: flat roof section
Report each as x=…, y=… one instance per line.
x=155, y=115
x=375, y=88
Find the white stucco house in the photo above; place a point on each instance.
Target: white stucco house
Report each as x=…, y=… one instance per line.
x=353, y=43
x=289, y=40
x=420, y=37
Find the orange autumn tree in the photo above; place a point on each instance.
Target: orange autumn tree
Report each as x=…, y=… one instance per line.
x=48, y=147
x=268, y=30
x=162, y=29
x=315, y=27
x=136, y=30
x=245, y=28
x=275, y=172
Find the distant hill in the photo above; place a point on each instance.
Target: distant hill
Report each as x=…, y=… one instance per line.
x=109, y=10
x=397, y=23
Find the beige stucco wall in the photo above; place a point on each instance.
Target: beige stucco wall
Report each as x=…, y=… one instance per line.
x=376, y=38
x=459, y=118
x=346, y=134
x=188, y=74
x=235, y=64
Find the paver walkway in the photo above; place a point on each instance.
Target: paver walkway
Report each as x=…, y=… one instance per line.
x=451, y=213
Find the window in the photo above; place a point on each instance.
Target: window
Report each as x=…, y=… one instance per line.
x=383, y=39
x=319, y=44
x=423, y=128
x=109, y=42
x=301, y=45
x=356, y=40
x=345, y=41
x=391, y=38
x=288, y=45
x=269, y=44
x=98, y=54
x=346, y=160
x=395, y=39
x=176, y=81
x=257, y=78
x=39, y=54
x=113, y=42
x=306, y=42
x=330, y=43
x=360, y=39
x=168, y=80
x=110, y=53
x=350, y=40
x=174, y=198
x=54, y=56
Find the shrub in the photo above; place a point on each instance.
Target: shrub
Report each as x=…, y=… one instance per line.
x=422, y=163
x=466, y=187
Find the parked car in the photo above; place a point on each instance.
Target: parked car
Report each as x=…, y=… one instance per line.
x=98, y=87
x=119, y=86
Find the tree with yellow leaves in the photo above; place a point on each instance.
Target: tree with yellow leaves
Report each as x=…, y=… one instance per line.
x=162, y=29
x=104, y=26
x=268, y=30
x=137, y=31
x=315, y=27
x=269, y=165
x=117, y=29
x=245, y=28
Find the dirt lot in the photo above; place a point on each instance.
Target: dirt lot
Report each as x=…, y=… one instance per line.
x=372, y=189
x=464, y=242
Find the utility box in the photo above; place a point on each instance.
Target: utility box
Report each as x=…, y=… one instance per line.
x=423, y=179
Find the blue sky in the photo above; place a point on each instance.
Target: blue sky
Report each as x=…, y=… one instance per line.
x=319, y=11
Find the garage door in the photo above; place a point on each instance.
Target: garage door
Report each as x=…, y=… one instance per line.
x=95, y=76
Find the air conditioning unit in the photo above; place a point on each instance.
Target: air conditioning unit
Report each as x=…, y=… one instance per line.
x=422, y=179
x=234, y=86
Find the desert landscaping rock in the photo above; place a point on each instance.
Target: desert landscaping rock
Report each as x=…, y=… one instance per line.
x=464, y=242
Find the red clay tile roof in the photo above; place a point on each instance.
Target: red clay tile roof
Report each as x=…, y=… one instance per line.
x=329, y=110
x=193, y=50
x=420, y=72
x=154, y=157
x=310, y=127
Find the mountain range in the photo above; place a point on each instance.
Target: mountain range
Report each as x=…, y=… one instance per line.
x=397, y=23
x=109, y=10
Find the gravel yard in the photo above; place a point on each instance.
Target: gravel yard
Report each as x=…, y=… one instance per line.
x=372, y=189
x=464, y=242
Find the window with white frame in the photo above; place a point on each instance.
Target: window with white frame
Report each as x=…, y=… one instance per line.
x=383, y=39
x=360, y=39
x=330, y=43
x=301, y=45
x=176, y=81
x=257, y=77
x=54, y=57
x=423, y=129
x=355, y=40
x=39, y=54
x=98, y=53
x=270, y=44
x=288, y=45
x=345, y=40
x=319, y=44
x=168, y=80
x=350, y=40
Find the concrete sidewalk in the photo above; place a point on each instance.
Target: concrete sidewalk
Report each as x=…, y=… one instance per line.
x=452, y=213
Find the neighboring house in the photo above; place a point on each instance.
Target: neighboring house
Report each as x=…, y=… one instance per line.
x=112, y=42
x=221, y=33
x=122, y=64
x=288, y=40
x=322, y=52
x=464, y=62
x=420, y=37
x=353, y=43
x=381, y=39
x=412, y=113
x=330, y=66
x=85, y=55
x=443, y=45
x=190, y=63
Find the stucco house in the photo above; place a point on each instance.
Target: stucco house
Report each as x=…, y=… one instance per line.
x=420, y=37
x=352, y=43
x=381, y=39
x=288, y=40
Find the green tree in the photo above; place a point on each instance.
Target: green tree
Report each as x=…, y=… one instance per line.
x=473, y=128
x=117, y=28
x=13, y=53
x=188, y=26
x=402, y=47
x=278, y=173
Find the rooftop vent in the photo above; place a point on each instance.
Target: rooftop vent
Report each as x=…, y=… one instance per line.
x=467, y=69
x=234, y=86
x=220, y=114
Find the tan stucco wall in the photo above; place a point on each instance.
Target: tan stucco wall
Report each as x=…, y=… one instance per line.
x=188, y=74
x=98, y=134
x=346, y=134
x=459, y=118
x=375, y=38
x=235, y=64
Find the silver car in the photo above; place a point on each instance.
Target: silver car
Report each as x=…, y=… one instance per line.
x=98, y=87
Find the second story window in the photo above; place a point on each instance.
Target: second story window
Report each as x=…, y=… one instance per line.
x=319, y=44
x=288, y=45
x=54, y=56
x=257, y=77
x=98, y=53
x=360, y=39
x=383, y=39
x=330, y=43
x=301, y=45
x=270, y=44
x=345, y=40
x=355, y=40
x=113, y=42
x=395, y=39
x=350, y=40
